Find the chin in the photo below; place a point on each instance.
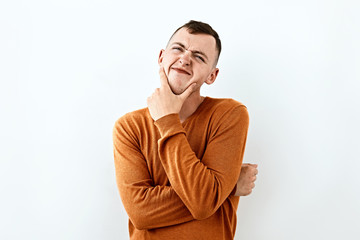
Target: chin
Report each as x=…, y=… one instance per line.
x=176, y=90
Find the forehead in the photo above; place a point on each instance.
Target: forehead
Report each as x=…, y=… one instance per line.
x=199, y=41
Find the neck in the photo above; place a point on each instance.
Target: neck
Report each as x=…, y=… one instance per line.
x=190, y=105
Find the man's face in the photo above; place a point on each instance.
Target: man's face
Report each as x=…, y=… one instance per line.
x=189, y=58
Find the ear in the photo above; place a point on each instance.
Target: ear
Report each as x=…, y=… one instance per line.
x=161, y=56
x=212, y=76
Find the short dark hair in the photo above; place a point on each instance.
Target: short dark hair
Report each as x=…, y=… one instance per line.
x=195, y=27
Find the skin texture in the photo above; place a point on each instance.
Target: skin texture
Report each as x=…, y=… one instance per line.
x=183, y=68
x=246, y=181
x=193, y=53
x=186, y=64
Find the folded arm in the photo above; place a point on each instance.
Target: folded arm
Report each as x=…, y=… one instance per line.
x=204, y=184
x=148, y=205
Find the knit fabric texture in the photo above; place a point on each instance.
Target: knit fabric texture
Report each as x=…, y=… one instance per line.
x=176, y=180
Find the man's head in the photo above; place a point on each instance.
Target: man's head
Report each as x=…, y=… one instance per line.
x=191, y=56
x=196, y=27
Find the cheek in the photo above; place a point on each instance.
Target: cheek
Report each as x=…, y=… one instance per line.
x=202, y=73
x=168, y=57
x=166, y=61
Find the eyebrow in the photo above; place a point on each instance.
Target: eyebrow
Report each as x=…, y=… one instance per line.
x=194, y=52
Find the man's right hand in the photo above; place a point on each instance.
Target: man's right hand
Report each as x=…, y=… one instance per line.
x=246, y=180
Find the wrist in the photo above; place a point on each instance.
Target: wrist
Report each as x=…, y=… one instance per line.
x=233, y=192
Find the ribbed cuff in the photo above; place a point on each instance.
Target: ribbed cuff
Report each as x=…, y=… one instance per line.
x=169, y=125
x=234, y=190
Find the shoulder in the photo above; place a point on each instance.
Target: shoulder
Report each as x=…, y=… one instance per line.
x=140, y=114
x=225, y=102
x=221, y=107
x=227, y=115
x=133, y=121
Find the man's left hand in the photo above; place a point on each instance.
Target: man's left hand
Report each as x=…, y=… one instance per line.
x=163, y=101
x=246, y=180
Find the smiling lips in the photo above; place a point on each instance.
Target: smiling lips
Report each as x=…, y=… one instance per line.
x=180, y=70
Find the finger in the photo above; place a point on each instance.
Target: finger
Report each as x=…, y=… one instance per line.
x=188, y=91
x=163, y=78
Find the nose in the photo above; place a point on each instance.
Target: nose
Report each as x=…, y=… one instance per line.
x=185, y=58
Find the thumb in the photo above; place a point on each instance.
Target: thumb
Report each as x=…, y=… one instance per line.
x=188, y=91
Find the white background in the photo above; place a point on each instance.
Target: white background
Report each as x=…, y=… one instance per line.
x=70, y=68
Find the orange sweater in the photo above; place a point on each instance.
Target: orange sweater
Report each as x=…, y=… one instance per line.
x=176, y=179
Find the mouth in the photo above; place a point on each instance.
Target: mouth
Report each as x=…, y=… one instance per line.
x=180, y=70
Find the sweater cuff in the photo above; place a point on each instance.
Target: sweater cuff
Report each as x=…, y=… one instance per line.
x=234, y=190
x=169, y=125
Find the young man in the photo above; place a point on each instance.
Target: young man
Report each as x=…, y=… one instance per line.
x=178, y=161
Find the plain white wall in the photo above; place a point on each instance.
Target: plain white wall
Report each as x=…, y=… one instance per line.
x=70, y=68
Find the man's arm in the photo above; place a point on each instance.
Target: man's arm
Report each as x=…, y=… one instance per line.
x=204, y=184
x=147, y=205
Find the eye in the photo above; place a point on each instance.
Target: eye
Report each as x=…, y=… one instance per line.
x=177, y=48
x=201, y=58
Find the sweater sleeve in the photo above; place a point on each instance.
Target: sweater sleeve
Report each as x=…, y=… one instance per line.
x=204, y=184
x=147, y=205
